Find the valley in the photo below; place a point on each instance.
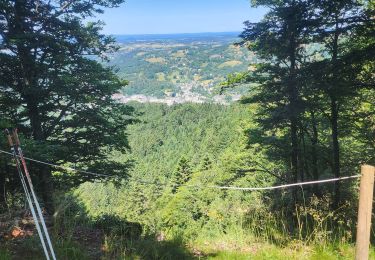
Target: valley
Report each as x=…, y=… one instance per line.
x=180, y=68
x=256, y=144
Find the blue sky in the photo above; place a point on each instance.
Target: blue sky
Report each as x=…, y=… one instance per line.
x=179, y=16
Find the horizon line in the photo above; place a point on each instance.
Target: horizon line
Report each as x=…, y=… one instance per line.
x=186, y=33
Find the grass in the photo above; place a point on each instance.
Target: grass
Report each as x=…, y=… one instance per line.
x=67, y=249
x=77, y=235
x=30, y=248
x=148, y=248
x=145, y=248
x=234, y=245
x=272, y=252
x=4, y=254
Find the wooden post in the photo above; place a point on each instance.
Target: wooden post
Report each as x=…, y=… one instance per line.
x=364, y=212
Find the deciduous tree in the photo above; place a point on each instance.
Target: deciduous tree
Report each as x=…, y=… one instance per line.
x=55, y=89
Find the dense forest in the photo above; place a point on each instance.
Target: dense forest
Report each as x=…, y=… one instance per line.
x=152, y=181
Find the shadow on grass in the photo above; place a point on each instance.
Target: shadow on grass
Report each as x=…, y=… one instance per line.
x=149, y=248
x=108, y=237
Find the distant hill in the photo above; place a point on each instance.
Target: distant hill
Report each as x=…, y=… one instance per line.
x=179, y=68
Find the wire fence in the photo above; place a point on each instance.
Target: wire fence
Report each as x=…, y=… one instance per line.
x=298, y=184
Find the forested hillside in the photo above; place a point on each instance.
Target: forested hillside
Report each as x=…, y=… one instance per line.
x=180, y=152
x=242, y=146
x=173, y=146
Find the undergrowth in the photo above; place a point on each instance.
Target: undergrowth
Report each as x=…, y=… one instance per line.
x=312, y=231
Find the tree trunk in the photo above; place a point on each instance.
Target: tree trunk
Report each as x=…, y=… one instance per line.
x=294, y=159
x=314, y=154
x=334, y=116
x=29, y=89
x=2, y=183
x=293, y=109
x=45, y=173
x=47, y=191
x=335, y=150
x=314, y=142
x=303, y=157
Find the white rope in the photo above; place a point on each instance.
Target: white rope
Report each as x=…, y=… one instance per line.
x=210, y=186
x=285, y=185
x=62, y=167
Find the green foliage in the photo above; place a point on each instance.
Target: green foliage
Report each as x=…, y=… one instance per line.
x=306, y=113
x=52, y=89
x=182, y=174
x=147, y=248
x=30, y=248
x=303, y=122
x=207, y=145
x=5, y=255
x=278, y=40
x=106, y=236
x=113, y=225
x=178, y=146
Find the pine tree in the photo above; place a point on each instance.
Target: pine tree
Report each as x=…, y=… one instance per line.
x=182, y=174
x=206, y=163
x=278, y=41
x=337, y=22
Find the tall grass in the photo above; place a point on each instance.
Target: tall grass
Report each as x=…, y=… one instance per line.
x=309, y=230
x=4, y=254
x=312, y=230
